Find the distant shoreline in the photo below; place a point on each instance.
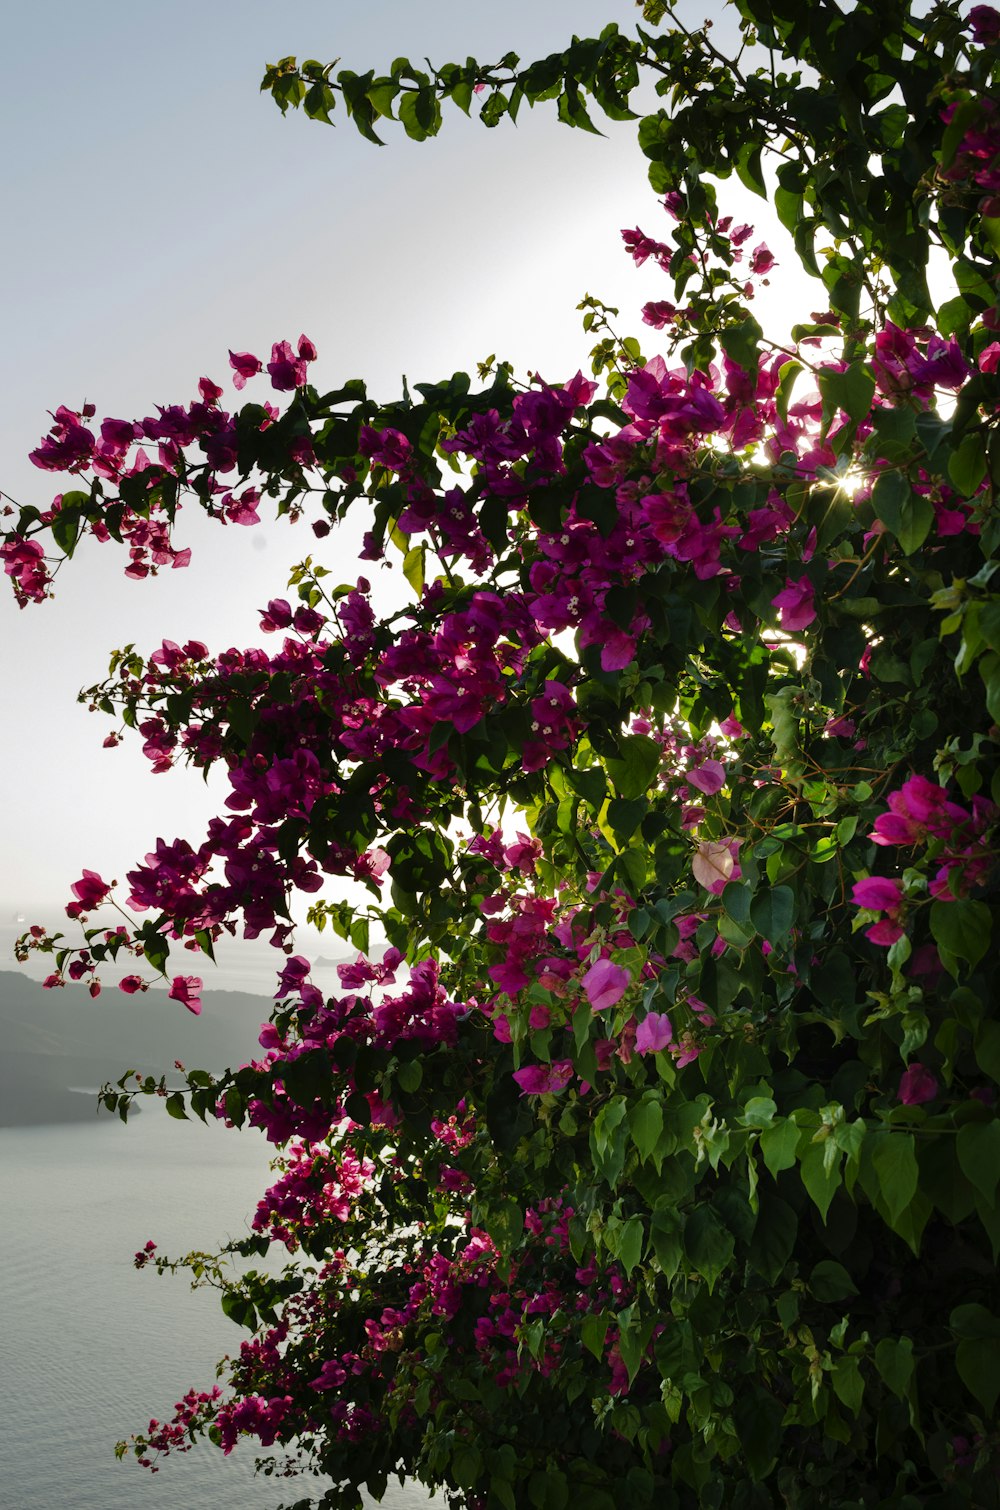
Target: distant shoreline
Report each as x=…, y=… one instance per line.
x=57, y=1044
x=33, y=1102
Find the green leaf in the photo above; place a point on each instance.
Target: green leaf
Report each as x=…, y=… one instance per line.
x=639, y=763
x=734, y=934
x=666, y=1234
x=989, y=622
x=772, y=912
x=593, y=1330
x=988, y=1049
x=646, y=1124
x=420, y=112
x=499, y=1488
x=782, y=398
x=239, y=1309
x=848, y=1385
x=851, y=390
x=830, y=1281
x=154, y=946
x=748, y=168
x=894, y=1160
x=633, y=1337
x=846, y=829
x=175, y=1106
x=413, y=568
x=820, y=1176
x=741, y=343
x=65, y=525
x=974, y=1322
x=894, y=427
x=758, y=1417
x=631, y=1242
x=466, y=1465
x=989, y=670
x=548, y=1489
x=778, y=1145
x=774, y=1237
x=319, y=101
x=589, y=784
x=963, y=927
x=708, y=1243
x=505, y=1225
x=235, y=1106
x=906, y=515
x=978, y=1147
x=759, y=1111
x=894, y=1361
x=859, y=391
x=967, y=465
x=381, y=95
x=409, y=1075
x=978, y=1364
x=736, y=899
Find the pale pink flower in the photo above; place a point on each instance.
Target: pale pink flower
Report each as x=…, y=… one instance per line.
x=605, y=983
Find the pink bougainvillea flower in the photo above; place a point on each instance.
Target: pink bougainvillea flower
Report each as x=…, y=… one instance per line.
x=509, y=977
x=185, y=988
x=617, y=648
x=605, y=984
x=713, y=864
x=797, y=603
x=919, y=809
x=878, y=893
x=761, y=260
x=700, y=1010
x=709, y=777
x=917, y=1085
x=687, y=1051
x=640, y=247
x=286, y=369
x=118, y=434
x=372, y=865
x=277, y=615
x=989, y=357
x=984, y=22
x=331, y=1376
x=24, y=563
x=69, y=445
x=131, y=983
x=881, y=894
x=542, y=1079
x=654, y=1033
x=90, y=891
x=144, y=1255
x=242, y=509
x=245, y=365
x=885, y=932
x=732, y=728
x=658, y=313
x=387, y=448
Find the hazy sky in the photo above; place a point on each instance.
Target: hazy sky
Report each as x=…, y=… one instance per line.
x=157, y=210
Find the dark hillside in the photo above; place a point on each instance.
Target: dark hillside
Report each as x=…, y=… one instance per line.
x=57, y=1039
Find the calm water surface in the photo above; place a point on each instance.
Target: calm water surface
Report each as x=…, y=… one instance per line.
x=91, y=1347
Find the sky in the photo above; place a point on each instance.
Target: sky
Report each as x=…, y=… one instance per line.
x=158, y=211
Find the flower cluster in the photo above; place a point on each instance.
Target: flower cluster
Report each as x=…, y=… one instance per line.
x=600, y=1174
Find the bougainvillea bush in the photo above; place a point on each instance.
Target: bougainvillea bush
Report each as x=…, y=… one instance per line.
x=649, y=1154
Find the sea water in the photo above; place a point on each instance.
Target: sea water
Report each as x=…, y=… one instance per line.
x=92, y=1348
